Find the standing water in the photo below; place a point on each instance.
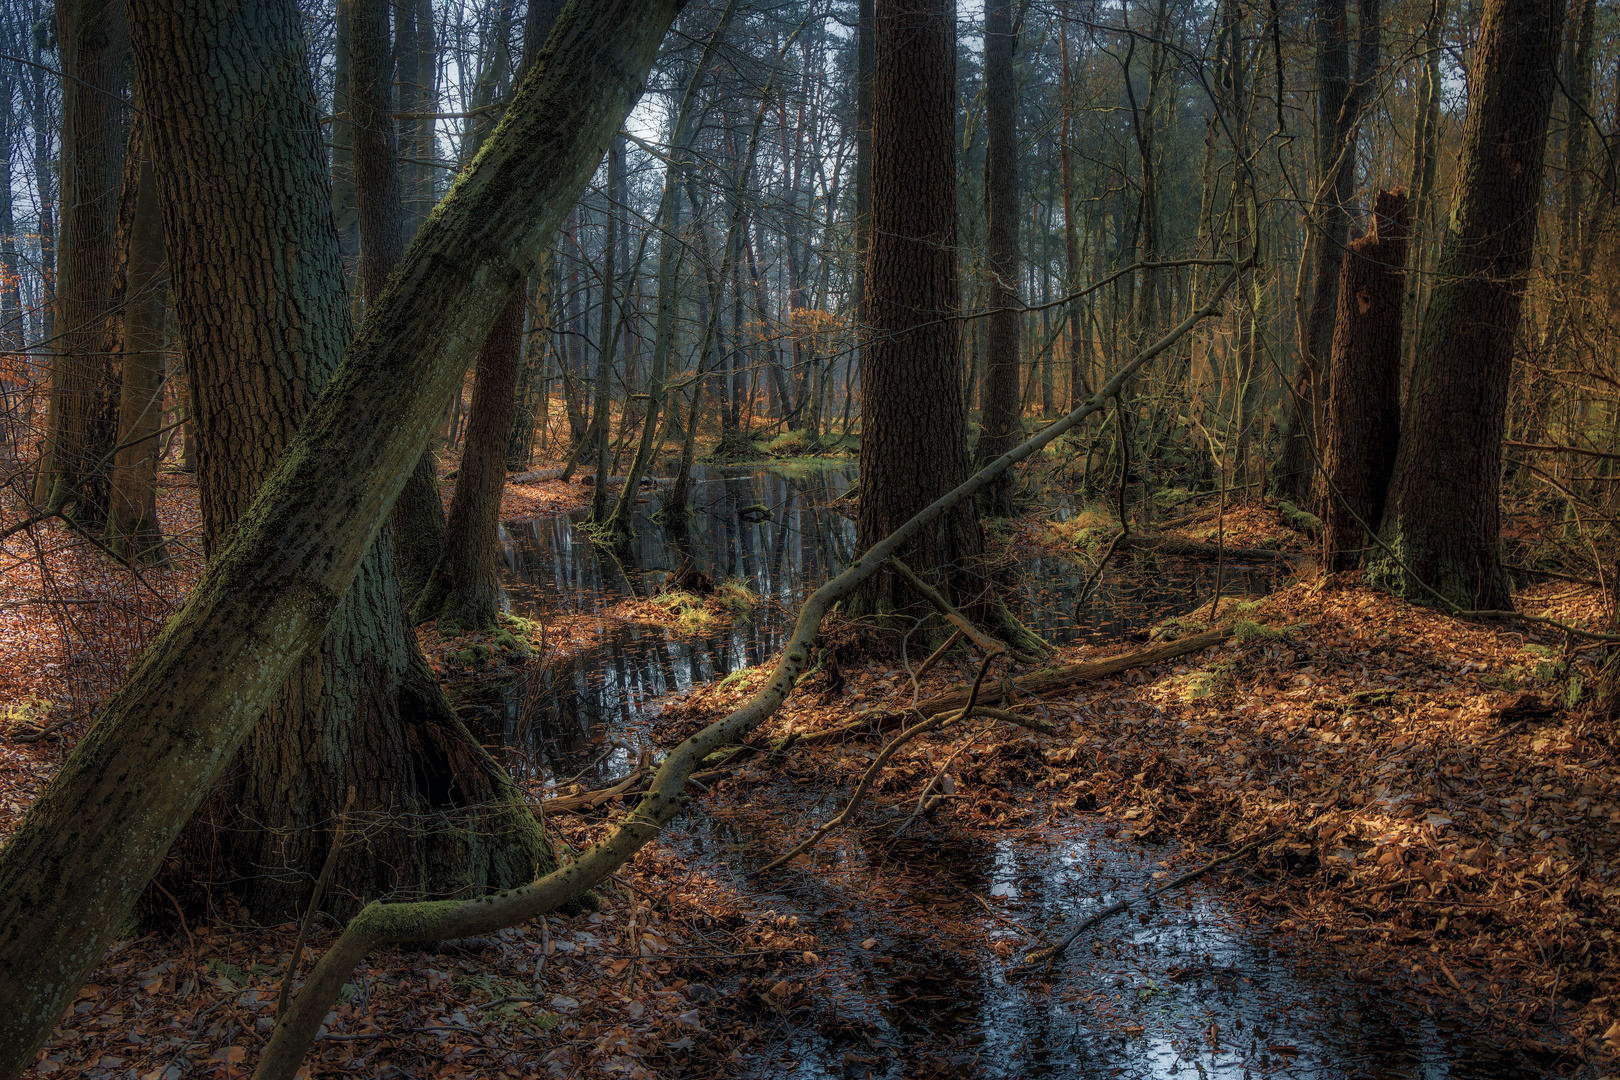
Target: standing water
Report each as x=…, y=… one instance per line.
x=1186, y=990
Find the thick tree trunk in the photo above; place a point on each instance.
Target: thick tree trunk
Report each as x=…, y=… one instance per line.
x=464, y=591
x=132, y=523
x=913, y=416
x=1442, y=520
x=93, y=838
x=1001, y=416
x=531, y=398
x=363, y=710
x=1339, y=102
x=1363, y=420
x=345, y=211
x=82, y=425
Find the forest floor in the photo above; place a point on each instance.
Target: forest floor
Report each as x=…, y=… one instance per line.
x=1431, y=818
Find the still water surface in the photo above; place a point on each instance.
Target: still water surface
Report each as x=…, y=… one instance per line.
x=1192, y=992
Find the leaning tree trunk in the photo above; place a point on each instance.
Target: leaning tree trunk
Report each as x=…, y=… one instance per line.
x=99, y=829
x=82, y=424
x=1363, y=420
x=132, y=523
x=913, y=414
x=363, y=712
x=1001, y=416
x=1441, y=526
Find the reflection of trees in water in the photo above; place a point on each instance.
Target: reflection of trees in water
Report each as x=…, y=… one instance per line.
x=577, y=704
x=553, y=567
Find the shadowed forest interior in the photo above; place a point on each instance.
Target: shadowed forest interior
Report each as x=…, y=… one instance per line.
x=863, y=538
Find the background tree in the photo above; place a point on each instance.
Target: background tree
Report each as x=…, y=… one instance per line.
x=83, y=421
x=1362, y=424
x=1002, y=422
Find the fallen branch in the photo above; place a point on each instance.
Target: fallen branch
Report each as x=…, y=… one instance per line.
x=877, y=766
x=385, y=924
x=1042, y=683
x=1051, y=953
x=1193, y=549
x=986, y=644
x=939, y=654
x=586, y=800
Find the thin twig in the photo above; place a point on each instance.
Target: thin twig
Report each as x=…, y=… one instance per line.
x=314, y=904
x=1047, y=955
x=877, y=764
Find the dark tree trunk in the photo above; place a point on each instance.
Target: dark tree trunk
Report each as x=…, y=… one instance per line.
x=362, y=711
x=463, y=590
x=418, y=517
x=1442, y=520
x=82, y=425
x=604, y=347
x=529, y=401
x=913, y=417
x=1339, y=102
x=1363, y=420
x=1002, y=418
x=132, y=522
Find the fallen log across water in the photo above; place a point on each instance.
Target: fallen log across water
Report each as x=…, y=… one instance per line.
x=1039, y=684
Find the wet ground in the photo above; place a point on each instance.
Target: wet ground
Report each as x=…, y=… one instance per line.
x=589, y=711
x=1188, y=989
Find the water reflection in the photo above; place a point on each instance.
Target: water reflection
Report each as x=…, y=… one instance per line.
x=774, y=530
x=1187, y=992
x=778, y=531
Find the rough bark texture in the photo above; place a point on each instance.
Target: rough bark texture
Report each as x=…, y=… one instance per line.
x=913, y=415
x=99, y=829
x=1363, y=421
x=1339, y=102
x=363, y=710
x=531, y=397
x=82, y=423
x=418, y=517
x=463, y=593
x=132, y=522
x=1442, y=520
x=1002, y=418
x=463, y=589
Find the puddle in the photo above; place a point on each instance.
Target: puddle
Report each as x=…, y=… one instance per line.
x=590, y=708
x=1189, y=992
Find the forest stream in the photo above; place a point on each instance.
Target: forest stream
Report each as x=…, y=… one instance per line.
x=1187, y=986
